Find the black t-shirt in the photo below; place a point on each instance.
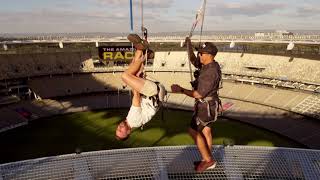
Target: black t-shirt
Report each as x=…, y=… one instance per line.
x=209, y=80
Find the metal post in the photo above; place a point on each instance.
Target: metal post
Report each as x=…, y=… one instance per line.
x=131, y=17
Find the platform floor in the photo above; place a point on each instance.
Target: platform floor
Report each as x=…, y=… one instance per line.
x=173, y=162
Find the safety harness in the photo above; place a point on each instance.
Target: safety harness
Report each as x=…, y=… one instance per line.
x=207, y=100
x=156, y=99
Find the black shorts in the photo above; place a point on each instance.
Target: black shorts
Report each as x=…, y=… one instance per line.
x=201, y=118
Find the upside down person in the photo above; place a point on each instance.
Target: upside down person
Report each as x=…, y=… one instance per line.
x=147, y=95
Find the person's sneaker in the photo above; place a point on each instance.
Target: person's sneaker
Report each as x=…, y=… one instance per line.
x=204, y=165
x=196, y=163
x=138, y=43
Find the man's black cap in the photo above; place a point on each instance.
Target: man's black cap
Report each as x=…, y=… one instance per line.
x=209, y=48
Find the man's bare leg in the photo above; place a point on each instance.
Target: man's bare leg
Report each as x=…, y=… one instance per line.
x=129, y=76
x=208, y=136
x=201, y=144
x=136, y=63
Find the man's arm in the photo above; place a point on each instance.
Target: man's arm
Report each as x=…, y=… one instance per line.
x=191, y=93
x=136, y=100
x=192, y=58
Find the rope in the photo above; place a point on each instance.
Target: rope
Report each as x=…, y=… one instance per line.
x=204, y=11
x=144, y=35
x=142, y=25
x=164, y=107
x=190, y=68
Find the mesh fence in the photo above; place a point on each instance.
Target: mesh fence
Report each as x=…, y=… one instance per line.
x=173, y=162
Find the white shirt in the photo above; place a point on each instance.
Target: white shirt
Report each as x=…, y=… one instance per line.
x=138, y=116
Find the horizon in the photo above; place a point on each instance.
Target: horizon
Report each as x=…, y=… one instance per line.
x=171, y=32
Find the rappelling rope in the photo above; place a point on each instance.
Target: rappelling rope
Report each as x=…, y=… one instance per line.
x=144, y=35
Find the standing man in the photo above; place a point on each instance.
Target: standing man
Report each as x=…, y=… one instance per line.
x=205, y=92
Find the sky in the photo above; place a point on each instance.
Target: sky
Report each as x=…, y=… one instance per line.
x=69, y=16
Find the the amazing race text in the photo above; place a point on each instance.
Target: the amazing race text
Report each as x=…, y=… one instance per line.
x=118, y=53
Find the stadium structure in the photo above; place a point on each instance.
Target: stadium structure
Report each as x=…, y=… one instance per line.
x=267, y=85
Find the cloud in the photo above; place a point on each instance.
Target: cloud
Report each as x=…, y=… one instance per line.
x=307, y=11
x=146, y=3
x=48, y=15
x=245, y=9
x=45, y=20
x=159, y=16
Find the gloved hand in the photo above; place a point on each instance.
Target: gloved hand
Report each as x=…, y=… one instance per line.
x=188, y=40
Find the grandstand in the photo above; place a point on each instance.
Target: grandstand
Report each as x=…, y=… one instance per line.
x=236, y=87
x=73, y=73
x=10, y=119
x=271, y=91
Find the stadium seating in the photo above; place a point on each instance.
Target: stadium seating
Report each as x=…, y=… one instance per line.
x=171, y=61
x=11, y=119
x=282, y=99
x=29, y=65
x=291, y=125
x=265, y=66
x=4, y=68
x=45, y=64
x=65, y=85
x=279, y=98
x=73, y=73
x=274, y=67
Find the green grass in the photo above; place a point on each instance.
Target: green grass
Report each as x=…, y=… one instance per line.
x=91, y=131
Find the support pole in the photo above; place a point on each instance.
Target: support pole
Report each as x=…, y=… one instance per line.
x=131, y=17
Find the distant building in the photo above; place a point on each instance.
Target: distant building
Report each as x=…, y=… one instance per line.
x=259, y=34
x=284, y=33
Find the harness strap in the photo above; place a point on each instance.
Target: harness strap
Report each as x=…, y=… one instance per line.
x=154, y=98
x=209, y=115
x=207, y=100
x=220, y=108
x=155, y=101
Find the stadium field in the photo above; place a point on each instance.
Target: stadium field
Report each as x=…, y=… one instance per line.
x=90, y=131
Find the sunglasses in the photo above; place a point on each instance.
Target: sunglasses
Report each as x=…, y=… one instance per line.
x=201, y=53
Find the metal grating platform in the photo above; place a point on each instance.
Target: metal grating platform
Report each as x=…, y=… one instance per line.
x=234, y=162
